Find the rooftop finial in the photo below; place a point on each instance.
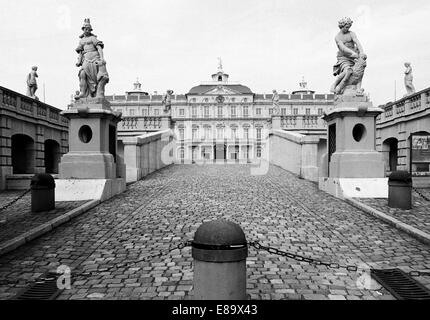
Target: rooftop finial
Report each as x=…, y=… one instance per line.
x=303, y=84
x=137, y=85
x=219, y=64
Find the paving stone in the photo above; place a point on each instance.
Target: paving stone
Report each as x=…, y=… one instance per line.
x=167, y=207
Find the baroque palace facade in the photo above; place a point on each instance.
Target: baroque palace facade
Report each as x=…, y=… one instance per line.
x=221, y=120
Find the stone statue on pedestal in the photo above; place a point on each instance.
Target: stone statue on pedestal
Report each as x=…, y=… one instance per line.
x=275, y=103
x=410, y=89
x=351, y=60
x=32, y=83
x=93, y=75
x=167, y=101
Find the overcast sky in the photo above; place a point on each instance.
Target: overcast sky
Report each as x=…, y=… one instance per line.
x=174, y=44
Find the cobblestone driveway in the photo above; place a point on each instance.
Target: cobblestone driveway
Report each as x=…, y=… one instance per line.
x=278, y=209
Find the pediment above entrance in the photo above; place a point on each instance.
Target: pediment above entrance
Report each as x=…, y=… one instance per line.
x=221, y=90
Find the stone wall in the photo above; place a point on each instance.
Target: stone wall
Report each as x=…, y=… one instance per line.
x=147, y=153
x=295, y=152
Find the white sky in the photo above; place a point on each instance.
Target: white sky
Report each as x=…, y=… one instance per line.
x=174, y=44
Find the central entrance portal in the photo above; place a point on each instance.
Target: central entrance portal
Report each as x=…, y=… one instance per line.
x=220, y=151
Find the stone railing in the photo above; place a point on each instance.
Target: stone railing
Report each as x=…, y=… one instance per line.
x=23, y=105
x=406, y=106
x=147, y=153
x=302, y=122
x=303, y=156
x=144, y=123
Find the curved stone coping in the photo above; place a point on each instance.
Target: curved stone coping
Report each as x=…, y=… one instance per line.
x=295, y=137
x=412, y=231
x=143, y=139
x=34, y=233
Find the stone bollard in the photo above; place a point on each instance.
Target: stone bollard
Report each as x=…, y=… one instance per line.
x=42, y=192
x=400, y=190
x=219, y=250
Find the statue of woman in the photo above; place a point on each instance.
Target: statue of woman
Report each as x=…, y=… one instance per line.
x=410, y=89
x=32, y=83
x=93, y=75
x=275, y=103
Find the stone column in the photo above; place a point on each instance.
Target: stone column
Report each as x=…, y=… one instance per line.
x=5, y=150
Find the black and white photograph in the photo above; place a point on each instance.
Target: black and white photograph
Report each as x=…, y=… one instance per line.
x=222, y=156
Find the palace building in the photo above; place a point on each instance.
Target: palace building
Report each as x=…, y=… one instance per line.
x=221, y=120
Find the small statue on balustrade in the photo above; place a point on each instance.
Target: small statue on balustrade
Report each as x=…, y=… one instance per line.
x=410, y=89
x=167, y=101
x=32, y=83
x=275, y=103
x=93, y=75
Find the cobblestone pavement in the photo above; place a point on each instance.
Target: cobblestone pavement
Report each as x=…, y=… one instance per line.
x=277, y=209
x=18, y=218
x=418, y=216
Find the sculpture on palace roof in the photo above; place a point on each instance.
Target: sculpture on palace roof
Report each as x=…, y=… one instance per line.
x=32, y=83
x=93, y=75
x=275, y=103
x=351, y=60
x=410, y=89
x=167, y=101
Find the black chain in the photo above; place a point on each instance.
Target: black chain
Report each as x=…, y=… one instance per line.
x=131, y=263
x=15, y=200
x=330, y=265
x=420, y=194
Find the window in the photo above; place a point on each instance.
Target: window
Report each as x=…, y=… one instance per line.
x=283, y=111
x=220, y=112
x=181, y=153
x=245, y=111
x=181, y=112
x=144, y=112
x=258, y=133
x=258, y=111
x=220, y=133
x=181, y=133
x=233, y=133
x=207, y=132
x=194, y=112
x=320, y=111
x=295, y=111
x=206, y=100
x=258, y=152
x=131, y=112
x=195, y=131
x=206, y=110
x=233, y=99
x=233, y=111
x=246, y=133
x=308, y=111
x=156, y=112
x=270, y=111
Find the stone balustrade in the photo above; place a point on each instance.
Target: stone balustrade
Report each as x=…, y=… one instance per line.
x=302, y=122
x=144, y=123
x=147, y=153
x=409, y=105
x=20, y=104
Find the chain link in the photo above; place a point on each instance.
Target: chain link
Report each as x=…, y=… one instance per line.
x=420, y=194
x=330, y=265
x=15, y=200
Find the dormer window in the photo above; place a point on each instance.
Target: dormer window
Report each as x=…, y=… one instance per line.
x=219, y=78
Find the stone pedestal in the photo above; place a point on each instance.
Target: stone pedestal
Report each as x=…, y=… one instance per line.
x=351, y=149
x=93, y=144
x=276, y=122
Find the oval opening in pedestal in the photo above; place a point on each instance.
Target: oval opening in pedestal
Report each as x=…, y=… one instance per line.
x=359, y=132
x=85, y=134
